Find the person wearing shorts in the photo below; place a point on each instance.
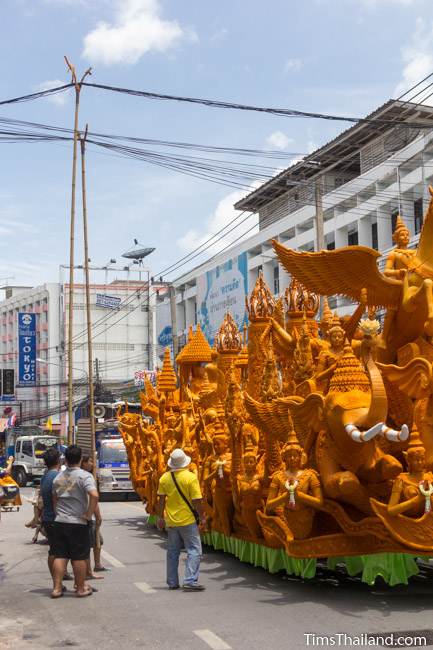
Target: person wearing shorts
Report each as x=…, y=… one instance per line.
x=52, y=462
x=75, y=499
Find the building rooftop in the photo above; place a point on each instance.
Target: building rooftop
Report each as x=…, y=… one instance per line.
x=340, y=152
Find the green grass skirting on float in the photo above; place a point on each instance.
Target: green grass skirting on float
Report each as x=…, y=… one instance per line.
x=394, y=568
x=271, y=559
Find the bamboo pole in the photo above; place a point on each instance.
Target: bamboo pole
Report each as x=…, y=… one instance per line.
x=88, y=313
x=78, y=86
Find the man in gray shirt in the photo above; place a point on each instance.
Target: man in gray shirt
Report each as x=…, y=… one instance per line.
x=75, y=498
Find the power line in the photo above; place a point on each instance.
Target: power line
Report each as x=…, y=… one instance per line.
x=212, y=103
x=37, y=95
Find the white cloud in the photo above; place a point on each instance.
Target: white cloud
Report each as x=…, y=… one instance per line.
x=137, y=28
x=223, y=215
x=417, y=57
x=278, y=140
x=59, y=99
x=293, y=65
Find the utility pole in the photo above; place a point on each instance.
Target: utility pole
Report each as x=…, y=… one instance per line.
x=320, y=234
x=98, y=387
x=78, y=85
x=88, y=314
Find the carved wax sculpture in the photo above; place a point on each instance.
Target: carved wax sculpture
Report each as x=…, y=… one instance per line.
x=294, y=495
x=408, y=515
x=298, y=435
x=217, y=482
x=348, y=270
x=248, y=491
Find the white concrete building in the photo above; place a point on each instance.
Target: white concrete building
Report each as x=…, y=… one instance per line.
x=371, y=172
x=123, y=327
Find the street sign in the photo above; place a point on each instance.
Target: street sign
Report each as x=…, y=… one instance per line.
x=26, y=349
x=108, y=302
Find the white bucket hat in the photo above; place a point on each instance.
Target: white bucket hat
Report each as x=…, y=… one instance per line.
x=178, y=459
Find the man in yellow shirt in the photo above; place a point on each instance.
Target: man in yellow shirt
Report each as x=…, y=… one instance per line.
x=180, y=497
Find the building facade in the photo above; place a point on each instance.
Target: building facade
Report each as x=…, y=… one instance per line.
x=360, y=181
x=123, y=332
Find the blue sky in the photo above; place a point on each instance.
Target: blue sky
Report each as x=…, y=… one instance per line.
x=331, y=56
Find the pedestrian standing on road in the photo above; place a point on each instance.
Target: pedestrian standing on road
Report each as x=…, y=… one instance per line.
x=179, y=497
x=52, y=462
x=96, y=539
x=75, y=499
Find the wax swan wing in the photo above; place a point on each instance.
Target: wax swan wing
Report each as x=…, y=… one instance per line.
x=273, y=417
x=345, y=271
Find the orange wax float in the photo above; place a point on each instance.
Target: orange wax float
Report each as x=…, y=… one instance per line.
x=309, y=434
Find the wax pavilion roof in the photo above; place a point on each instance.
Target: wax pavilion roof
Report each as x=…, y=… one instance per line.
x=197, y=350
x=166, y=381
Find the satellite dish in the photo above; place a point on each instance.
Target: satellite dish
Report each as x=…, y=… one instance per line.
x=139, y=252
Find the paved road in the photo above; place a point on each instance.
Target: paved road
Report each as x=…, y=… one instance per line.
x=242, y=607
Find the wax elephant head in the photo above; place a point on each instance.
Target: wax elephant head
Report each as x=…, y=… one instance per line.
x=339, y=432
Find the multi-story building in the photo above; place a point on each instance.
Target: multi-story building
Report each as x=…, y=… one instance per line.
x=122, y=339
x=363, y=178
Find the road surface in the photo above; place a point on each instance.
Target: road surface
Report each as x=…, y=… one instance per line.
x=242, y=607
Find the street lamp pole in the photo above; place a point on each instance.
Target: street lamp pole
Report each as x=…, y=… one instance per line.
x=137, y=255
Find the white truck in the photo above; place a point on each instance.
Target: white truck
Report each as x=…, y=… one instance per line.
x=28, y=463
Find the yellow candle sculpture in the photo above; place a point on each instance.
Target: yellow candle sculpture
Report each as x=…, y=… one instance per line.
x=313, y=434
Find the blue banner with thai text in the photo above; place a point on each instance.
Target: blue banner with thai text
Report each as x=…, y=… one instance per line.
x=26, y=349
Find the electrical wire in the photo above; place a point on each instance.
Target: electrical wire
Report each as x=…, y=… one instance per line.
x=212, y=103
x=37, y=95
x=177, y=161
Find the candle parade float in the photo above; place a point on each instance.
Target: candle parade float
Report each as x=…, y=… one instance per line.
x=310, y=439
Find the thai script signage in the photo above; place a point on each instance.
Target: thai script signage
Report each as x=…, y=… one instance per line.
x=220, y=291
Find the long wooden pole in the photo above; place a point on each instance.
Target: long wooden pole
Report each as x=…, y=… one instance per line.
x=78, y=85
x=88, y=313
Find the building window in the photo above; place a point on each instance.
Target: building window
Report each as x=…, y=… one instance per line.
x=259, y=269
x=352, y=238
x=276, y=280
x=330, y=245
x=418, y=215
x=374, y=240
x=394, y=216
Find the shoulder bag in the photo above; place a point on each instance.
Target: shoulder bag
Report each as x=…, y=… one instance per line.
x=193, y=510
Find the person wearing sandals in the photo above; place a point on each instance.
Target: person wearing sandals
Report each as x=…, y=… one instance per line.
x=96, y=539
x=75, y=499
x=179, y=497
x=52, y=461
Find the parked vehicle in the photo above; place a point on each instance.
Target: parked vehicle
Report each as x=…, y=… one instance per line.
x=28, y=463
